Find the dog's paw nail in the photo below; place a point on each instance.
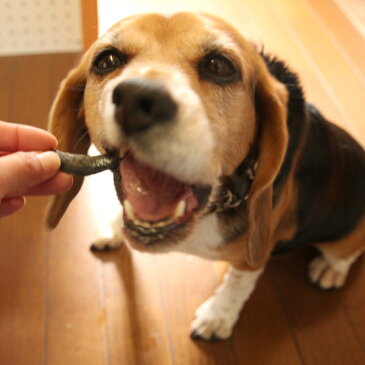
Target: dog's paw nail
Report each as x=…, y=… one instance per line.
x=215, y=338
x=103, y=247
x=97, y=248
x=194, y=335
x=106, y=244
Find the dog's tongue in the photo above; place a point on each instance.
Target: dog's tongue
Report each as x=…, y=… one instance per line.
x=152, y=194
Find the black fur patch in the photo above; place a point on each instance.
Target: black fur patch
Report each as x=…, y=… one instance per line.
x=331, y=181
x=330, y=173
x=296, y=115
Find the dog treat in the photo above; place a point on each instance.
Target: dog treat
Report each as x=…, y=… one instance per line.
x=83, y=165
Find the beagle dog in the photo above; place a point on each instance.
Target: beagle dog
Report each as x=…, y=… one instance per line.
x=220, y=155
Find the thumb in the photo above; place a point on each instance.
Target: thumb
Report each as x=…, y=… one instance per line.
x=21, y=171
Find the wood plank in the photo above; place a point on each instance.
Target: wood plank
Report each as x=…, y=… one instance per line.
x=319, y=321
x=355, y=11
x=89, y=13
x=135, y=318
x=22, y=264
x=353, y=299
x=75, y=302
x=186, y=282
x=279, y=40
x=7, y=67
x=28, y=102
x=334, y=67
x=264, y=325
x=75, y=297
x=340, y=27
x=22, y=274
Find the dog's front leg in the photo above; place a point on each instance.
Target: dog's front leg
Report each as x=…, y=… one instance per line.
x=216, y=317
x=109, y=235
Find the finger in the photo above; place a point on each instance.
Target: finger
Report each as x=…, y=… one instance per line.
x=10, y=206
x=58, y=184
x=22, y=171
x=16, y=137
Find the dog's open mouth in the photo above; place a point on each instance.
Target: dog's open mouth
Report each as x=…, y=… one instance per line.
x=155, y=202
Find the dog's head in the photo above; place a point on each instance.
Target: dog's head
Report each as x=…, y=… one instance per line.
x=182, y=99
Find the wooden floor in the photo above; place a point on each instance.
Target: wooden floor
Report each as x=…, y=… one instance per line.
x=60, y=304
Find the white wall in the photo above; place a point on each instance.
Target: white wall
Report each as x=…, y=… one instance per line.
x=40, y=26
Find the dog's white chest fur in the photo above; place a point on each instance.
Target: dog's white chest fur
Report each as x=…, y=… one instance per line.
x=205, y=239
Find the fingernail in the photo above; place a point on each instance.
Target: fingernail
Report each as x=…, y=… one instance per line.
x=50, y=161
x=17, y=203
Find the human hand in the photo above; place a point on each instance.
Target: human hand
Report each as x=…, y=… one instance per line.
x=25, y=172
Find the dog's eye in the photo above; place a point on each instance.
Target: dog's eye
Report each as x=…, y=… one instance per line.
x=219, y=69
x=107, y=61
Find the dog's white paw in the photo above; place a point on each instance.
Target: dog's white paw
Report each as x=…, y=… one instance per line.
x=323, y=274
x=214, y=320
x=106, y=244
x=216, y=317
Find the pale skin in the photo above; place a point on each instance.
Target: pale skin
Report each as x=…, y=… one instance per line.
x=27, y=166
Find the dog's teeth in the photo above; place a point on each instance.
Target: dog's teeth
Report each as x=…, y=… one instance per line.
x=129, y=210
x=180, y=209
x=163, y=223
x=143, y=224
x=131, y=214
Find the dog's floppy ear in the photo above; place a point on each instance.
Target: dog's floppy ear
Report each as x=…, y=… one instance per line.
x=271, y=113
x=67, y=123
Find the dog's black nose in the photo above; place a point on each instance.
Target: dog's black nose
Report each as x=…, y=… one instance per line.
x=140, y=104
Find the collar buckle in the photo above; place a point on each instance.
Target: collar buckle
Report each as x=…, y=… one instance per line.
x=236, y=189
